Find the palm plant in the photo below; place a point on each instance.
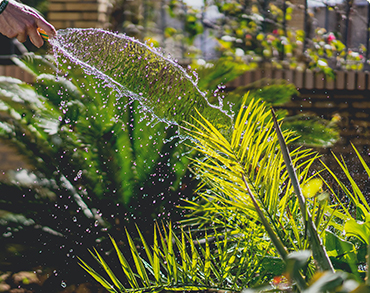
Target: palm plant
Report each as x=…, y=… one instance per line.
x=253, y=161
x=198, y=268
x=246, y=183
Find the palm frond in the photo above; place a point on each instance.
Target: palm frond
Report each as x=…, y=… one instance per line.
x=179, y=262
x=253, y=152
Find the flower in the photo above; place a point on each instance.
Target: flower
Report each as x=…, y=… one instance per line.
x=331, y=38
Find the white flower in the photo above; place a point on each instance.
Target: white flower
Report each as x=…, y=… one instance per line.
x=322, y=63
x=201, y=62
x=239, y=52
x=228, y=38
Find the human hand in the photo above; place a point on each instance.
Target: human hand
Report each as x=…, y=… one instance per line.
x=19, y=21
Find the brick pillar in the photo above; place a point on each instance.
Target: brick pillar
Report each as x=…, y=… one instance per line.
x=79, y=13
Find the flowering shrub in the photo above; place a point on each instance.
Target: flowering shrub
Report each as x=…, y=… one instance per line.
x=326, y=52
x=259, y=33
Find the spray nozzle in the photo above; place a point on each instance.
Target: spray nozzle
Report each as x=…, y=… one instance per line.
x=43, y=34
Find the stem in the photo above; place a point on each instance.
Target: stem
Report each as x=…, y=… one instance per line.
x=275, y=240
x=318, y=249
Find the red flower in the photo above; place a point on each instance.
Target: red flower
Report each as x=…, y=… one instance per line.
x=277, y=280
x=331, y=38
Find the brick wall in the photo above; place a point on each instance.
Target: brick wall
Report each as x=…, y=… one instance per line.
x=79, y=13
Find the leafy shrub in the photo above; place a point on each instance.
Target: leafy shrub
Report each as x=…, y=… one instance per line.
x=97, y=163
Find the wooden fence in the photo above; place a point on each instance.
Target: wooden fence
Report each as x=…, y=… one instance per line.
x=308, y=79
x=17, y=72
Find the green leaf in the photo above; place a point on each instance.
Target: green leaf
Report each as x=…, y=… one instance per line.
x=125, y=266
x=274, y=266
x=140, y=268
x=327, y=282
x=97, y=277
x=156, y=263
x=170, y=257
x=358, y=230
x=146, y=247
x=110, y=273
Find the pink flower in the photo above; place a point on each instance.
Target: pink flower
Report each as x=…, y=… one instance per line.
x=275, y=31
x=331, y=38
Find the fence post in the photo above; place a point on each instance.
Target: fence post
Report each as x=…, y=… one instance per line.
x=305, y=24
x=348, y=11
x=368, y=31
x=326, y=16
x=163, y=23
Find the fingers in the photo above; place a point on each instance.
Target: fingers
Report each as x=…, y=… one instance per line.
x=35, y=37
x=34, y=33
x=22, y=37
x=47, y=27
x=21, y=21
